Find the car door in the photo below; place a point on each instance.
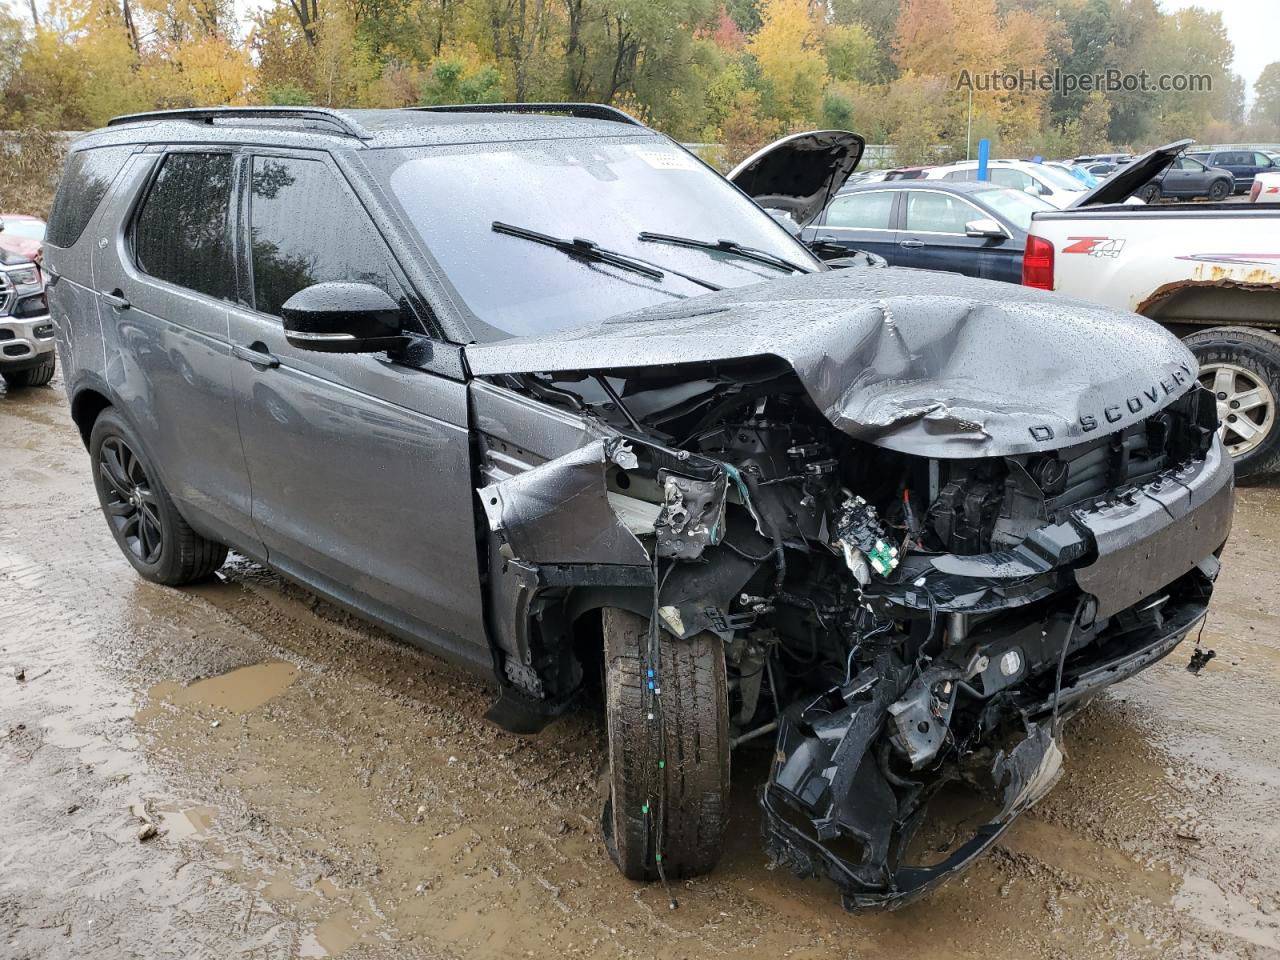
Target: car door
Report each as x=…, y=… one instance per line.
x=1237, y=164
x=1261, y=163
x=861, y=220
x=164, y=276
x=361, y=467
x=1185, y=177
x=933, y=234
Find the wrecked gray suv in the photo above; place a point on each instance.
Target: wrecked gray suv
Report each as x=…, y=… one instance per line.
x=550, y=397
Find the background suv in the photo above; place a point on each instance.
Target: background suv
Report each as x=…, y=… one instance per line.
x=1055, y=187
x=1243, y=165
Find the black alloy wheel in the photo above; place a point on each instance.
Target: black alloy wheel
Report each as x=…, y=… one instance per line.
x=131, y=504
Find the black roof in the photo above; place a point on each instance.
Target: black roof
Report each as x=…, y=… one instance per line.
x=361, y=129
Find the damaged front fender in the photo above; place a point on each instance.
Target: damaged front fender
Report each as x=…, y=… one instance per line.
x=559, y=512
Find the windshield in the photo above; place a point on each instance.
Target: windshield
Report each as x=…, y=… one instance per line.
x=1061, y=180
x=1016, y=206
x=24, y=228
x=607, y=191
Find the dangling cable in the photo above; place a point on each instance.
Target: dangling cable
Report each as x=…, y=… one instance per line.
x=656, y=814
x=1062, y=660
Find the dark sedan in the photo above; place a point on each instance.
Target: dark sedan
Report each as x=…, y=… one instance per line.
x=975, y=228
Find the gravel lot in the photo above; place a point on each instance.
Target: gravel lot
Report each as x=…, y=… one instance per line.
x=308, y=787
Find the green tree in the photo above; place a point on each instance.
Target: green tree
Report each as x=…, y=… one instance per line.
x=1266, y=104
x=450, y=81
x=851, y=53
x=880, y=20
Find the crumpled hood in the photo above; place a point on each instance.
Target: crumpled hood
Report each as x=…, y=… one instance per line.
x=922, y=362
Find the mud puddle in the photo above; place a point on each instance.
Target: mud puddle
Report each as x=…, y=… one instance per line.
x=317, y=789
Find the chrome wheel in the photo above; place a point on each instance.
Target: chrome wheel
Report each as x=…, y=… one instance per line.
x=1246, y=405
x=131, y=504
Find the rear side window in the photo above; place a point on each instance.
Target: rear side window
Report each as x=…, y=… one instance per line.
x=85, y=182
x=1008, y=177
x=306, y=230
x=868, y=211
x=930, y=212
x=183, y=232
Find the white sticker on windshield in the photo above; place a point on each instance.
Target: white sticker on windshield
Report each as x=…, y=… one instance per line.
x=666, y=159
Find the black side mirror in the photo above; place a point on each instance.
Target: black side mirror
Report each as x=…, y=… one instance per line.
x=342, y=317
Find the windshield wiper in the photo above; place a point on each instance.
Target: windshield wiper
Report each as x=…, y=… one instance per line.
x=726, y=246
x=594, y=253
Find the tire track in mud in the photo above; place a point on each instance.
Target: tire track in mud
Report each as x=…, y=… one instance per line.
x=365, y=809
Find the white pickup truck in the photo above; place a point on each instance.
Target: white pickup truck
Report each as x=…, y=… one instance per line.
x=1210, y=272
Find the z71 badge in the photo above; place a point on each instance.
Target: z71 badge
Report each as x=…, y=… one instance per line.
x=1094, y=246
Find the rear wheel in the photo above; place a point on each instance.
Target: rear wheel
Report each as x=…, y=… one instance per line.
x=146, y=525
x=1241, y=367
x=1219, y=189
x=32, y=376
x=668, y=776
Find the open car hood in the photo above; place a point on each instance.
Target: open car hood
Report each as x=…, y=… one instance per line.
x=925, y=363
x=1133, y=176
x=799, y=174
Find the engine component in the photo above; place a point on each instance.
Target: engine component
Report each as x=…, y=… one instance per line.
x=861, y=539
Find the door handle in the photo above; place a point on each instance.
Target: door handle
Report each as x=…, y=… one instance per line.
x=117, y=299
x=256, y=353
x=910, y=244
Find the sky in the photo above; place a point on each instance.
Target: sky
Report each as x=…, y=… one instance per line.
x=1253, y=29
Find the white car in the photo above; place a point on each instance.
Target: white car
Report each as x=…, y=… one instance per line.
x=1056, y=187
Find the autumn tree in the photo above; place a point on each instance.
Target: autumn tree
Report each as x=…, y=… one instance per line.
x=789, y=51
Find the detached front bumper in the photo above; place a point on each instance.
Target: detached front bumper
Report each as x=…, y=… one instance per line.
x=855, y=770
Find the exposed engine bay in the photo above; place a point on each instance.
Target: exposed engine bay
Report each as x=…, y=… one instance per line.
x=901, y=625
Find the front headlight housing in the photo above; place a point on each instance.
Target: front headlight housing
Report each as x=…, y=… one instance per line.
x=24, y=276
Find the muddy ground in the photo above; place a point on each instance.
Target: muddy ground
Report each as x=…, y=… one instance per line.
x=314, y=788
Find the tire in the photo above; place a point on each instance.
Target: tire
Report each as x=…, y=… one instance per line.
x=694, y=724
x=32, y=376
x=1219, y=189
x=140, y=514
x=1150, y=193
x=1242, y=368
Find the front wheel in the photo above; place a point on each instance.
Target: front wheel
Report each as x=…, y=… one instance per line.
x=1241, y=367
x=37, y=376
x=668, y=753
x=146, y=525
x=1150, y=193
x=1219, y=189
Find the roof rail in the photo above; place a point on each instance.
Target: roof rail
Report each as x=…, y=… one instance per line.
x=208, y=115
x=587, y=111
